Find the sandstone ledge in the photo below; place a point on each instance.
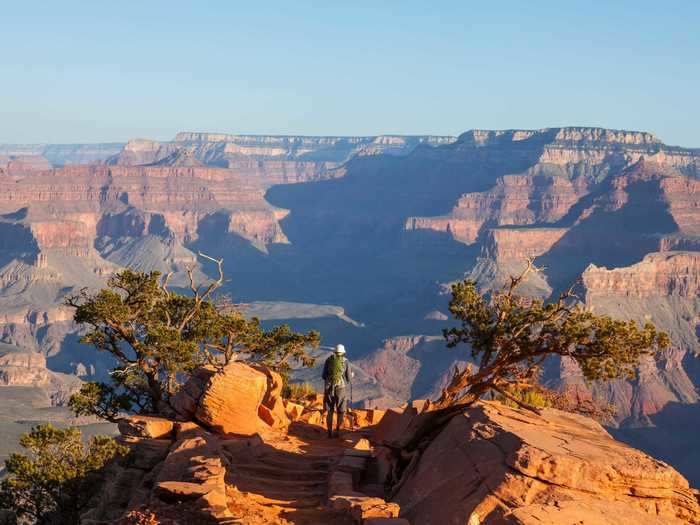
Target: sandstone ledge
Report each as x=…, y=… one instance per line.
x=496, y=465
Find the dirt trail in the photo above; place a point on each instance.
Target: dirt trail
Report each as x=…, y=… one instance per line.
x=284, y=479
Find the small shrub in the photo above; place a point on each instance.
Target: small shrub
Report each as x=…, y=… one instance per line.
x=299, y=391
x=533, y=397
x=53, y=483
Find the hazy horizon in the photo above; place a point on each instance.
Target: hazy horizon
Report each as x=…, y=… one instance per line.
x=337, y=135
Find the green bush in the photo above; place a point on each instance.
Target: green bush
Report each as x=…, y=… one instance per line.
x=53, y=483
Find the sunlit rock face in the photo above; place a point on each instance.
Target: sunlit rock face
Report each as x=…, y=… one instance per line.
x=495, y=464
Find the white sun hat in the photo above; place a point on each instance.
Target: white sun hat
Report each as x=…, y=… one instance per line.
x=340, y=349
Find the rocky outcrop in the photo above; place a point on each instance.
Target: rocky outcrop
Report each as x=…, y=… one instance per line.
x=178, y=475
x=226, y=401
x=272, y=159
x=488, y=465
x=495, y=464
x=141, y=151
x=17, y=164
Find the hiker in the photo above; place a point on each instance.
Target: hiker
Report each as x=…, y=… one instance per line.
x=336, y=377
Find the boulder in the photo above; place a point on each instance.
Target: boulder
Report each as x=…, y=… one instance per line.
x=225, y=401
x=186, y=400
x=146, y=427
x=549, y=469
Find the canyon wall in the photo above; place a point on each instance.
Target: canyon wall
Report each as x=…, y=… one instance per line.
x=378, y=226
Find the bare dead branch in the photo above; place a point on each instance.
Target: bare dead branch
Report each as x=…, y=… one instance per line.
x=193, y=286
x=164, y=283
x=216, y=284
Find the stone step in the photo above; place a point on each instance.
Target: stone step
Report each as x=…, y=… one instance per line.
x=247, y=483
x=284, y=461
x=277, y=473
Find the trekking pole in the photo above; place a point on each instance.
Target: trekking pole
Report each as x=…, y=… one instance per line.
x=352, y=413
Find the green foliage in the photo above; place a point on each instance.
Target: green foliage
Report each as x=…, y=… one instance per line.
x=510, y=336
x=53, y=482
x=101, y=400
x=299, y=391
x=158, y=337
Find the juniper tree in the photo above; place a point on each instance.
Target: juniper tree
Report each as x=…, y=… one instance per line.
x=510, y=337
x=158, y=336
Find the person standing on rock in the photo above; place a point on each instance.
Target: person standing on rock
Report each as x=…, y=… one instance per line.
x=336, y=378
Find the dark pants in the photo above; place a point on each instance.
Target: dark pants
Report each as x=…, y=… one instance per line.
x=334, y=400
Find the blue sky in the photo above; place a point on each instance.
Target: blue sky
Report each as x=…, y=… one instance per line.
x=98, y=70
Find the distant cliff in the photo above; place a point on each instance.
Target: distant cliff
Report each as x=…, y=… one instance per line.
x=62, y=154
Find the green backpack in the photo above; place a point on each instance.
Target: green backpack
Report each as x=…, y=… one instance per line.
x=336, y=370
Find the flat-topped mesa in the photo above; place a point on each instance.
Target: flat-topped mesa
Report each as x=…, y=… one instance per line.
x=658, y=274
x=219, y=148
x=311, y=141
x=569, y=136
x=595, y=146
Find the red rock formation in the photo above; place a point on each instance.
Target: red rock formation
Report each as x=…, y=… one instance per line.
x=496, y=464
x=659, y=274
x=520, y=243
x=516, y=200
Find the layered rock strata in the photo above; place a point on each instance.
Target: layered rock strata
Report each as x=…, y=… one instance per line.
x=496, y=464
